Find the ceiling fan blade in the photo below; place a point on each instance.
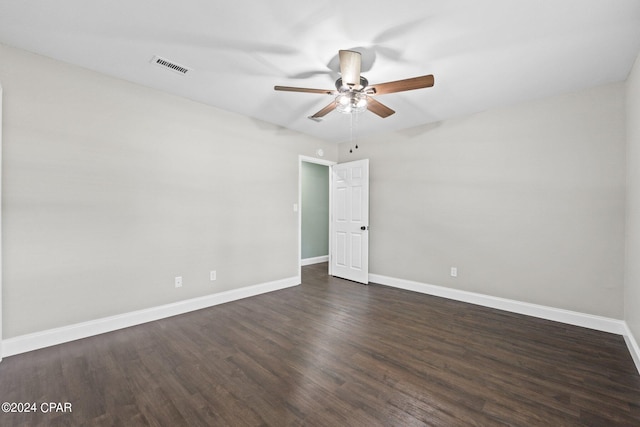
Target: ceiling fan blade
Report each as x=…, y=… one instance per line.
x=304, y=89
x=402, y=85
x=378, y=108
x=350, y=62
x=326, y=110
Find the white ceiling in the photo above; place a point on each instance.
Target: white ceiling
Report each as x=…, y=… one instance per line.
x=483, y=54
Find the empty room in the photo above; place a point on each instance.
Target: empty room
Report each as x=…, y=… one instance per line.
x=354, y=213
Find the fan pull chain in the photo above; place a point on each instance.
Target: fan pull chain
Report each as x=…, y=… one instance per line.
x=351, y=130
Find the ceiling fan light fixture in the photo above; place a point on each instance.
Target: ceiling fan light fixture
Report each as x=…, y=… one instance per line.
x=351, y=102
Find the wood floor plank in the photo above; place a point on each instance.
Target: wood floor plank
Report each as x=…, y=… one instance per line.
x=332, y=352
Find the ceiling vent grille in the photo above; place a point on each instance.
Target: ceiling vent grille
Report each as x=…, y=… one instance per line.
x=170, y=65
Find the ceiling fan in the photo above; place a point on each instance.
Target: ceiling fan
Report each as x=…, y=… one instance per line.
x=353, y=94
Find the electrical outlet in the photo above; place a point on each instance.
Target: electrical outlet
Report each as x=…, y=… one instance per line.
x=454, y=271
x=178, y=281
x=212, y=275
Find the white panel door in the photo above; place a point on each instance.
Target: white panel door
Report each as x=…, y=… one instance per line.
x=350, y=221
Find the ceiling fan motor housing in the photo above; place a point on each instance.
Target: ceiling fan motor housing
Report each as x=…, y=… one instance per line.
x=341, y=87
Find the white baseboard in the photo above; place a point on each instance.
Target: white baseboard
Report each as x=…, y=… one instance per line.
x=315, y=260
x=590, y=321
x=34, y=341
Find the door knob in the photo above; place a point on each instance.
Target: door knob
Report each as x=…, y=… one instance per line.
x=364, y=227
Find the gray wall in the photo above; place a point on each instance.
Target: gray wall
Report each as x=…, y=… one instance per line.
x=315, y=210
x=632, y=271
x=111, y=189
x=527, y=202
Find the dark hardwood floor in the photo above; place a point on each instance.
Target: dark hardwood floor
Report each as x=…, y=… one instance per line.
x=332, y=353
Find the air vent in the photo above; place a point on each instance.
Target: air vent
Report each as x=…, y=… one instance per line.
x=170, y=65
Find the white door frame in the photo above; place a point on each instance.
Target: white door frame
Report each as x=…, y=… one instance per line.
x=317, y=161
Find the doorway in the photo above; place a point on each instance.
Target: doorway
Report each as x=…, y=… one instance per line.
x=314, y=210
x=347, y=214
